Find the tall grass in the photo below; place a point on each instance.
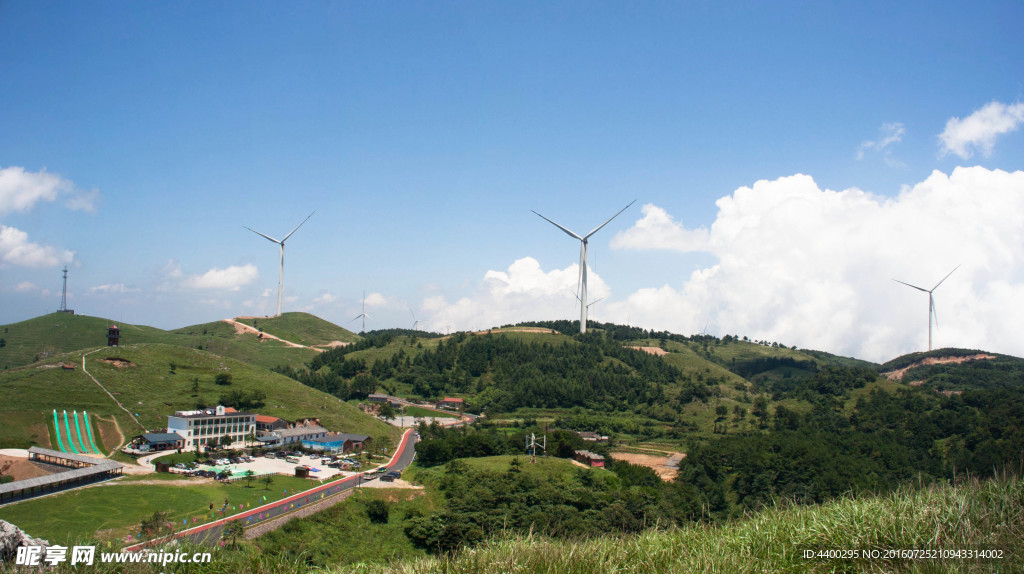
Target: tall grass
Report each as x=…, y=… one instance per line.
x=974, y=515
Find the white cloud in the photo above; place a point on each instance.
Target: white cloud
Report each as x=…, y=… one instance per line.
x=812, y=267
x=523, y=292
x=325, y=298
x=375, y=300
x=890, y=133
x=25, y=287
x=978, y=131
x=112, y=288
x=17, y=250
x=658, y=230
x=230, y=279
x=20, y=190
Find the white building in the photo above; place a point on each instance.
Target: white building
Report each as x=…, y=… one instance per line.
x=207, y=426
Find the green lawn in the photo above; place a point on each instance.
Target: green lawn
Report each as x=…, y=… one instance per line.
x=114, y=509
x=422, y=412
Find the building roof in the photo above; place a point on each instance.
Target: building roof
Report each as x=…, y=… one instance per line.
x=207, y=414
x=452, y=400
x=300, y=431
x=590, y=455
x=98, y=466
x=340, y=437
x=267, y=419
x=162, y=437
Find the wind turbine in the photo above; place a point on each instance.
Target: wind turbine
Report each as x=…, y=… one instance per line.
x=931, y=303
x=363, y=314
x=415, y=321
x=280, y=276
x=582, y=282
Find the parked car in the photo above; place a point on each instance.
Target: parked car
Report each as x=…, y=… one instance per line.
x=388, y=478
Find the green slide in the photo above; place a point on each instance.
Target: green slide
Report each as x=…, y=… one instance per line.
x=78, y=431
x=56, y=428
x=67, y=427
x=88, y=431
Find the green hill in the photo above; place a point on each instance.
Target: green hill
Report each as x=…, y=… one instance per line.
x=141, y=378
x=223, y=339
x=957, y=370
x=301, y=328
x=43, y=337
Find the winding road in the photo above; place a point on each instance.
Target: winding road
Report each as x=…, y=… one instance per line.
x=211, y=532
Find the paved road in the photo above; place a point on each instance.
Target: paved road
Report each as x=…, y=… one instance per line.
x=211, y=533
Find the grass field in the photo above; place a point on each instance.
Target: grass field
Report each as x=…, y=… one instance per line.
x=411, y=411
x=113, y=510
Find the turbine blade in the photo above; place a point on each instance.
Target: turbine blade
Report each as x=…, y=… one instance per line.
x=596, y=229
x=914, y=286
x=946, y=277
x=571, y=234
x=262, y=235
x=297, y=227
x=935, y=312
x=595, y=302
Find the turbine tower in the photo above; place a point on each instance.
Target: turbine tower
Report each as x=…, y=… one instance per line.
x=931, y=303
x=280, y=276
x=363, y=314
x=582, y=282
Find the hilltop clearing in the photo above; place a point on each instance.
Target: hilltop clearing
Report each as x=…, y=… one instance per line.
x=957, y=370
x=897, y=375
x=302, y=329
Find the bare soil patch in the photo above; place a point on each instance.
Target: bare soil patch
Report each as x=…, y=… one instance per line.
x=651, y=350
x=110, y=434
x=519, y=329
x=655, y=463
x=897, y=375
x=334, y=344
x=22, y=468
x=118, y=362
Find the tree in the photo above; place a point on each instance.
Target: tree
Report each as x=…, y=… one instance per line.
x=760, y=410
x=386, y=412
x=233, y=531
x=222, y=379
x=377, y=511
x=226, y=440
x=267, y=480
x=156, y=524
x=173, y=367
x=3, y=342
x=249, y=476
x=195, y=385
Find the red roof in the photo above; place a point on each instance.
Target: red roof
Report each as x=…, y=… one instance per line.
x=266, y=419
x=230, y=410
x=451, y=400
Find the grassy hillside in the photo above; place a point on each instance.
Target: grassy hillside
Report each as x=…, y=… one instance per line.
x=302, y=328
x=959, y=370
x=222, y=339
x=979, y=516
x=43, y=337
x=141, y=378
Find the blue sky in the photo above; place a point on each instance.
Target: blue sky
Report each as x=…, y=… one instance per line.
x=136, y=141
